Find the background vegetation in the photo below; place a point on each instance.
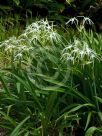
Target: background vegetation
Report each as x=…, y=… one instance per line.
x=50, y=73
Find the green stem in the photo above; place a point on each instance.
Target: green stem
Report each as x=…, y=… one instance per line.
x=94, y=87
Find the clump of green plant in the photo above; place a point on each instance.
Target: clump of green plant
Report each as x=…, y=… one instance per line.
x=40, y=93
x=40, y=33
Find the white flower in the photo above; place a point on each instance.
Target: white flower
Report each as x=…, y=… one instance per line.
x=87, y=20
x=73, y=21
x=79, y=51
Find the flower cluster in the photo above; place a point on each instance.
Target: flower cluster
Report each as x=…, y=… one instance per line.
x=15, y=47
x=39, y=33
x=79, y=52
x=85, y=20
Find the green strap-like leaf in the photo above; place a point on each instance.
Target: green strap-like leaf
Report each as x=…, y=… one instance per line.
x=88, y=119
x=90, y=131
x=19, y=126
x=17, y=2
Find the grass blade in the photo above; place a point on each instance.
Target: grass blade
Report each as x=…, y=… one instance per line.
x=19, y=126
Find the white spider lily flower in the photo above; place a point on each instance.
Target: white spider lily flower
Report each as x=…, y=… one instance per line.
x=54, y=37
x=73, y=20
x=87, y=20
x=18, y=56
x=33, y=26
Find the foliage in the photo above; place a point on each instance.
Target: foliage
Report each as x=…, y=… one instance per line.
x=53, y=8
x=58, y=10
x=51, y=81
